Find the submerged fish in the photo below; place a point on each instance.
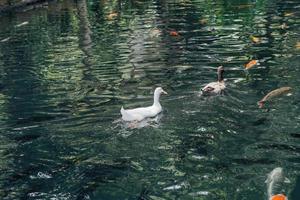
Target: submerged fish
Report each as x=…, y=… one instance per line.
x=273, y=94
x=274, y=183
x=22, y=24
x=255, y=39
x=5, y=39
x=251, y=63
x=174, y=33
x=275, y=177
x=279, y=197
x=288, y=14
x=112, y=16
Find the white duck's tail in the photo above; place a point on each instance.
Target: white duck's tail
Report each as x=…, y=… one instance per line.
x=122, y=111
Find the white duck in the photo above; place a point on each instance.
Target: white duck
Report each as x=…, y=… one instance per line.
x=215, y=87
x=138, y=114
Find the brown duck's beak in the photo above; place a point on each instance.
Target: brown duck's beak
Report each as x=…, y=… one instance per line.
x=164, y=92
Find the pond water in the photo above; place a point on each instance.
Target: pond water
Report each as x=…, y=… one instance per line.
x=66, y=68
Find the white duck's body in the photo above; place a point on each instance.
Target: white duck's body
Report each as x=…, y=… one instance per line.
x=138, y=114
x=217, y=87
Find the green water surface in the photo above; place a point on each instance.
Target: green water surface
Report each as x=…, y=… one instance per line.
x=67, y=67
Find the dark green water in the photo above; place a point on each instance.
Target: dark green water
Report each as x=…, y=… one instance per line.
x=66, y=72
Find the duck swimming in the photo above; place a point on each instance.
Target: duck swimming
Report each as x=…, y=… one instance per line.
x=138, y=114
x=217, y=87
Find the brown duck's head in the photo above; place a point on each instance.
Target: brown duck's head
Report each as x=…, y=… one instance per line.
x=220, y=73
x=220, y=68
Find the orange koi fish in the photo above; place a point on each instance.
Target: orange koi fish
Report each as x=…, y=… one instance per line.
x=174, y=33
x=273, y=94
x=279, y=197
x=251, y=64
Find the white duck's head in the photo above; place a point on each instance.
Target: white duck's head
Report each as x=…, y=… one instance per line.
x=158, y=91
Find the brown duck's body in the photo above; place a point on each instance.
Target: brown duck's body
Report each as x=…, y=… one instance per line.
x=272, y=94
x=217, y=87
x=214, y=87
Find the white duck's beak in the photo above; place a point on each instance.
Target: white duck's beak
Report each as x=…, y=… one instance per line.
x=164, y=92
